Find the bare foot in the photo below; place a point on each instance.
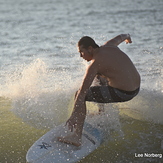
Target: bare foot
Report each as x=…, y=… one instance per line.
x=73, y=139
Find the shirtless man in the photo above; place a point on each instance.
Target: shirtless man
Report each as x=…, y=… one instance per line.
x=113, y=66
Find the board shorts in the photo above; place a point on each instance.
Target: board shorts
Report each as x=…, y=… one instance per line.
x=103, y=93
x=108, y=94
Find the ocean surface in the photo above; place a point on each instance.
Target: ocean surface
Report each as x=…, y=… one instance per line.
x=40, y=70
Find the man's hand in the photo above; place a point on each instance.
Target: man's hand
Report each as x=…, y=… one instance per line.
x=128, y=40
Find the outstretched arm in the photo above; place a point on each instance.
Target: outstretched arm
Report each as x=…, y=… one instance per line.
x=119, y=39
x=79, y=112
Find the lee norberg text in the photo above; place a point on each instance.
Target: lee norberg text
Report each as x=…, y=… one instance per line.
x=154, y=155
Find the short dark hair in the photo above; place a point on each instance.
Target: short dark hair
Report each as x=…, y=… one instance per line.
x=87, y=41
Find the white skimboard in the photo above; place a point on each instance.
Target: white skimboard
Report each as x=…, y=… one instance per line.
x=48, y=149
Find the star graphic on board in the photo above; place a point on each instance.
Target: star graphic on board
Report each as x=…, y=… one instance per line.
x=44, y=145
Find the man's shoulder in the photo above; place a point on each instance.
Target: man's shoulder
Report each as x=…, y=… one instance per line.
x=105, y=50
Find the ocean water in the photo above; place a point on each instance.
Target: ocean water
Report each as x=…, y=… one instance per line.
x=40, y=70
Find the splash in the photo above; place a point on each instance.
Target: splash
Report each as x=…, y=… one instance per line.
x=40, y=96
x=23, y=80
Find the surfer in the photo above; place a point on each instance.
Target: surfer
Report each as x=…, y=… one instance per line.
x=118, y=78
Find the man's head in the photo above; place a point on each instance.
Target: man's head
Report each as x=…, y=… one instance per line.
x=86, y=46
x=87, y=41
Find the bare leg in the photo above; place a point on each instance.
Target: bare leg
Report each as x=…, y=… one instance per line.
x=75, y=138
x=104, y=82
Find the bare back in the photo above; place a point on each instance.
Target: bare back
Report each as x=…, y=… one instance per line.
x=117, y=67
